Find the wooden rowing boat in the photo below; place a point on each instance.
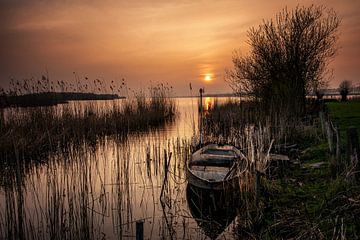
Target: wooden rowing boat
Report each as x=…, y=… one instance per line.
x=216, y=167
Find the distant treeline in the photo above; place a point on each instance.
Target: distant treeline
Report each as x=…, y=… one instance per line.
x=50, y=98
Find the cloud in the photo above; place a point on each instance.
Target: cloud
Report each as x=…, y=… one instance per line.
x=144, y=39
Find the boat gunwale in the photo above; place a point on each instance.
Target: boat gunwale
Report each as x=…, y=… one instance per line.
x=239, y=156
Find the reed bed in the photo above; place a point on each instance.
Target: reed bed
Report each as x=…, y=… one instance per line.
x=236, y=115
x=34, y=132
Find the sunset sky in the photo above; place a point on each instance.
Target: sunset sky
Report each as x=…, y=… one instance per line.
x=159, y=41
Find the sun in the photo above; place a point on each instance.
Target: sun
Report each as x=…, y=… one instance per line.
x=208, y=77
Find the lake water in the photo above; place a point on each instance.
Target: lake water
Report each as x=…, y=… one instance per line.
x=100, y=191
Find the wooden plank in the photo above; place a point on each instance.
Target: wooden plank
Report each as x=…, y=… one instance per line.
x=212, y=162
x=278, y=157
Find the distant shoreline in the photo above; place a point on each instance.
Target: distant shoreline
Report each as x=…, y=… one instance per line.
x=54, y=98
x=51, y=98
x=328, y=93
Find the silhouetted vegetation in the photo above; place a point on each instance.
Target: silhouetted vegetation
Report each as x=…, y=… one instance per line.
x=32, y=132
x=44, y=92
x=344, y=89
x=288, y=58
x=51, y=98
x=236, y=115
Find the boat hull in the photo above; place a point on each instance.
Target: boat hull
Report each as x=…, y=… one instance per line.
x=215, y=167
x=229, y=184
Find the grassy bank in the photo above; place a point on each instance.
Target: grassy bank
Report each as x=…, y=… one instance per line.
x=308, y=201
x=345, y=115
x=304, y=198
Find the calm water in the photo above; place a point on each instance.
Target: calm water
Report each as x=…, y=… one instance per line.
x=101, y=191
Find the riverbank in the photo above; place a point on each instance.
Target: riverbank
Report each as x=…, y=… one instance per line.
x=313, y=195
x=309, y=201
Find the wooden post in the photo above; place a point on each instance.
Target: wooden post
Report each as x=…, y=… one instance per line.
x=335, y=150
x=335, y=139
x=201, y=91
x=322, y=121
x=140, y=230
x=329, y=136
x=353, y=150
x=337, y=154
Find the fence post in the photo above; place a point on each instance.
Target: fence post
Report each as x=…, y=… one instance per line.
x=329, y=136
x=353, y=150
x=322, y=121
x=337, y=142
x=334, y=149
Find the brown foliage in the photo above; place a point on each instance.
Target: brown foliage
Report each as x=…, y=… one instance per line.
x=288, y=58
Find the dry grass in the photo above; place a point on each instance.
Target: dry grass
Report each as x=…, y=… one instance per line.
x=33, y=132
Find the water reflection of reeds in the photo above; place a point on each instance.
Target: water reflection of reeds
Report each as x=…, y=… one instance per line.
x=32, y=133
x=101, y=189
x=88, y=192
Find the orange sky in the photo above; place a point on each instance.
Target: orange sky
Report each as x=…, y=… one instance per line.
x=147, y=41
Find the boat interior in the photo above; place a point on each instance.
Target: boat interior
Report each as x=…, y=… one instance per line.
x=213, y=164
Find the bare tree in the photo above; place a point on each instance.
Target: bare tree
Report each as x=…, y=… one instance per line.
x=344, y=89
x=288, y=58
